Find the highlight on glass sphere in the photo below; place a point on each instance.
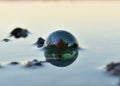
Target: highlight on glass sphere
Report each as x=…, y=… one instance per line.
x=61, y=40
x=61, y=48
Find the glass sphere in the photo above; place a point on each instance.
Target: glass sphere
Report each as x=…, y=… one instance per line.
x=61, y=58
x=61, y=40
x=61, y=48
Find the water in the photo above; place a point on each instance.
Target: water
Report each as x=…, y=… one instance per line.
x=94, y=24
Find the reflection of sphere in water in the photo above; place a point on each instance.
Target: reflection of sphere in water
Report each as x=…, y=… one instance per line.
x=62, y=57
x=61, y=40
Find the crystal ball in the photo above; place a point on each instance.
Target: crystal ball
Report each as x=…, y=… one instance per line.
x=61, y=40
x=61, y=48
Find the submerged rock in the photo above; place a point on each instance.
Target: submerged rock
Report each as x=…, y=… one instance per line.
x=14, y=63
x=6, y=40
x=19, y=32
x=114, y=68
x=40, y=42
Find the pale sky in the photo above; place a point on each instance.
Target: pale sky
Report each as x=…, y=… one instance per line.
x=30, y=11
x=39, y=15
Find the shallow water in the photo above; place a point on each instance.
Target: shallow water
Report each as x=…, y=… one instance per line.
x=94, y=24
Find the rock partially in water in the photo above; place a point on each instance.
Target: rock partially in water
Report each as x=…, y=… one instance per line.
x=40, y=42
x=19, y=32
x=14, y=63
x=113, y=68
x=6, y=40
x=61, y=40
x=35, y=62
x=29, y=64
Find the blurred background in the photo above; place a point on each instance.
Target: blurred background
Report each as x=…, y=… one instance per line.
x=95, y=24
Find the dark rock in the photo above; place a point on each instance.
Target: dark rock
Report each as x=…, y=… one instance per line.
x=29, y=64
x=24, y=33
x=35, y=60
x=6, y=40
x=19, y=32
x=14, y=63
x=114, y=68
x=37, y=64
x=40, y=42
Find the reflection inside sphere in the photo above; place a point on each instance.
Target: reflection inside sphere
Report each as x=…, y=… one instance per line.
x=61, y=57
x=61, y=40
